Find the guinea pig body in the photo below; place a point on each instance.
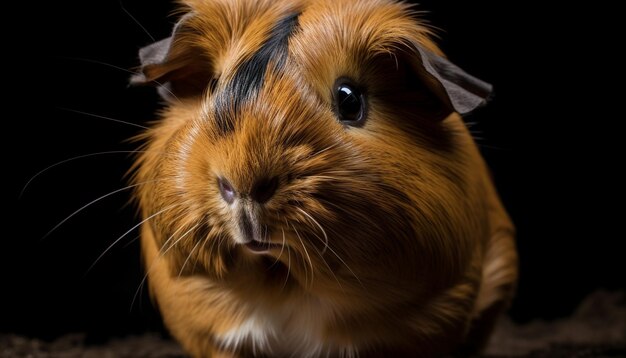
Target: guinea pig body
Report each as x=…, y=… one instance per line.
x=310, y=189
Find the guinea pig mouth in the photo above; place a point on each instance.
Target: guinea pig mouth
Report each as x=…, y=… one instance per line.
x=253, y=234
x=261, y=247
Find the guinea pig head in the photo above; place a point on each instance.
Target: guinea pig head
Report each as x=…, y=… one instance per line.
x=317, y=140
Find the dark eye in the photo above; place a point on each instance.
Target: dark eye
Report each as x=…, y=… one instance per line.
x=349, y=103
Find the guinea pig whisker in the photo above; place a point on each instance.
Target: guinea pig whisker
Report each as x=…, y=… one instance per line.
x=136, y=21
x=487, y=146
x=288, y=265
x=131, y=241
x=288, y=255
x=102, y=117
x=89, y=204
x=332, y=175
x=205, y=240
x=180, y=238
x=339, y=257
x=344, y=263
x=193, y=249
x=76, y=158
x=97, y=62
x=164, y=87
x=325, y=242
x=282, y=248
x=145, y=276
x=307, y=255
x=213, y=244
x=139, y=288
x=88, y=60
x=160, y=255
x=321, y=255
x=479, y=139
x=164, y=245
x=125, y=234
x=348, y=267
x=288, y=259
x=324, y=150
x=319, y=226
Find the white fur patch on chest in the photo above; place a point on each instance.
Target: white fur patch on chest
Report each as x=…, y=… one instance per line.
x=296, y=330
x=255, y=330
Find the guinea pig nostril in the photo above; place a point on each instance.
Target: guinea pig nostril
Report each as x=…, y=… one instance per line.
x=226, y=190
x=264, y=189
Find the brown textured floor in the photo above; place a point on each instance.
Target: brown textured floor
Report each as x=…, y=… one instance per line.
x=596, y=329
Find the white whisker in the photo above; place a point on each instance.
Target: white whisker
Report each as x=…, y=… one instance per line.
x=487, y=146
x=121, y=69
x=325, y=149
x=102, y=117
x=88, y=60
x=214, y=242
x=131, y=241
x=143, y=280
x=205, y=241
x=326, y=247
x=136, y=21
x=167, y=89
x=126, y=233
x=288, y=265
x=91, y=203
x=76, y=158
x=282, y=248
x=180, y=238
x=163, y=246
x=160, y=254
x=307, y=255
x=348, y=267
x=189, y=256
x=321, y=255
x=319, y=226
x=288, y=256
x=342, y=260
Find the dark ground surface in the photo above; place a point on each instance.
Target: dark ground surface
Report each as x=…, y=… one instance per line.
x=596, y=329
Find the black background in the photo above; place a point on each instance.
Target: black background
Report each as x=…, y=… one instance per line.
x=547, y=136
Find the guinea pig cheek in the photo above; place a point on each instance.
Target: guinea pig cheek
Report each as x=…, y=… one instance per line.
x=197, y=171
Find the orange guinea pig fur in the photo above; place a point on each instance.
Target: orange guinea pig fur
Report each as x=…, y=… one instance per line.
x=311, y=190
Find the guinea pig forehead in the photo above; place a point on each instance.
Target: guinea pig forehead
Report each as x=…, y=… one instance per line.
x=335, y=34
x=266, y=49
x=264, y=41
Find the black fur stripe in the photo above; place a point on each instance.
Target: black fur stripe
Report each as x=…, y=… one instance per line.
x=248, y=80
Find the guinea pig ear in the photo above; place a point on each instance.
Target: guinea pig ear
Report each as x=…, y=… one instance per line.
x=458, y=90
x=178, y=68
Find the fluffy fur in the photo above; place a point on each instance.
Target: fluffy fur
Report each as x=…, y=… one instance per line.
x=391, y=238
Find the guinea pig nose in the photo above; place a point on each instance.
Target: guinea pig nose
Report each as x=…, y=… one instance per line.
x=226, y=190
x=264, y=189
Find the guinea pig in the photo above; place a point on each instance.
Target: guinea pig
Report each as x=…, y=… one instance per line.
x=311, y=189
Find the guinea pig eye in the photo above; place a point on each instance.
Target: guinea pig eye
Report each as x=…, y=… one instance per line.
x=349, y=103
